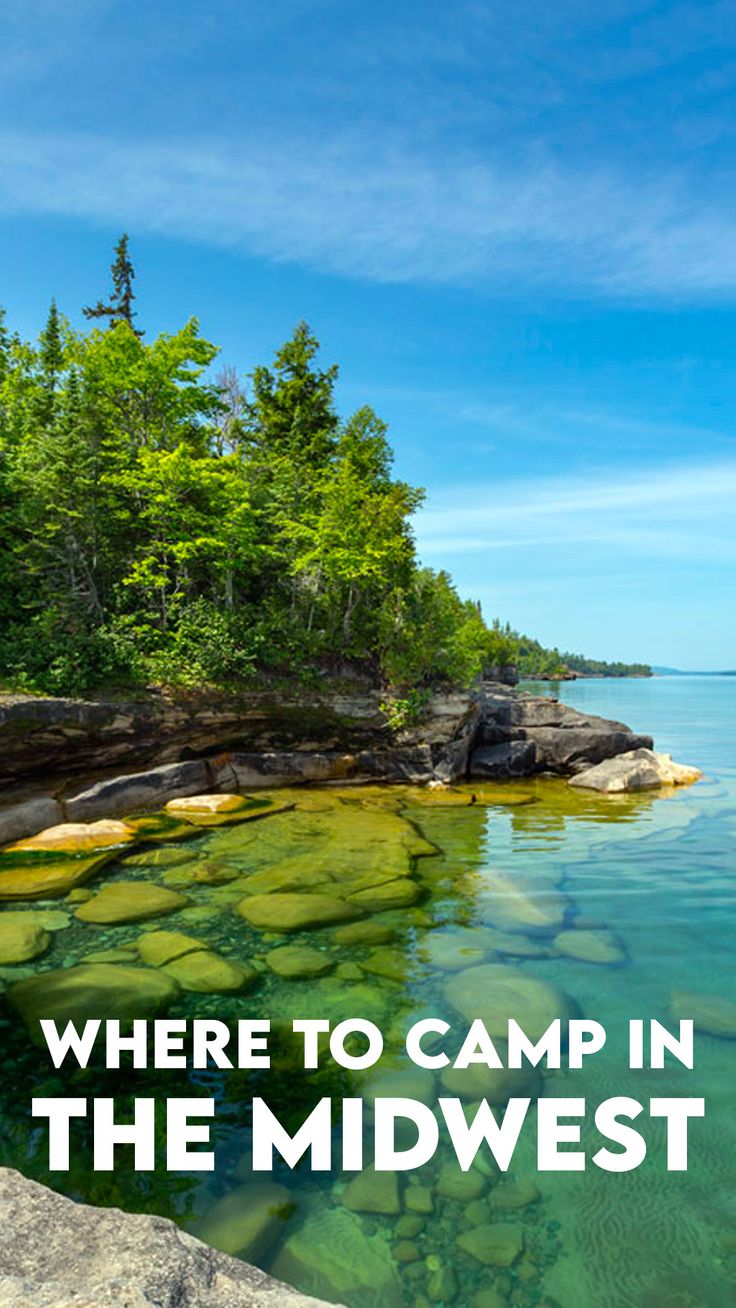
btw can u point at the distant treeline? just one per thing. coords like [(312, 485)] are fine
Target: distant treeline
[(162, 523)]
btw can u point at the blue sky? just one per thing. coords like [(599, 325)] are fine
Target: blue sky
[(512, 223)]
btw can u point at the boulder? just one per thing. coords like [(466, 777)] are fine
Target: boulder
[(157, 948), (637, 769), (249, 1220), (494, 1245), (55, 1253), (499, 762), (151, 789), (29, 817), (463, 1187), (373, 1192), (496, 1084), (495, 993), (572, 749), (130, 901), (330, 1253), (295, 962), (75, 838), (521, 901), (32, 878), (21, 938), (712, 1014), (91, 990), (292, 912), (591, 946)]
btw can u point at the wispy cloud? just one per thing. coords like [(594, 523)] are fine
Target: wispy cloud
[(390, 215), (686, 510)]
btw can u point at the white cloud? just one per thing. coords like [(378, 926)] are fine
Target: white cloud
[(678, 512), (389, 216)]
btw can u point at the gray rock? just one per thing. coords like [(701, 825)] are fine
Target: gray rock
[(139, 790), (29, 817), (517, 758), (571, 749), (641, 769), (55, 1253)]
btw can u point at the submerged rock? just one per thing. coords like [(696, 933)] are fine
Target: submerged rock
[(496, 993), (496, 1084), (494, 1245), (248, 1221), (463, 1187), (299, 961), (710, 1013), (638, 769), (521, 901), (591, 946), (45, 879), (373, 1192), (130, 901), (21, 938), (330, 1254), (291, 912), (91, 990), (364, 933)]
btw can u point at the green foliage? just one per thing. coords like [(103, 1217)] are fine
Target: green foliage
[(159, 525), (405, 712)]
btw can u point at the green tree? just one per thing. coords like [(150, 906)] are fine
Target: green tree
[(119, 306)]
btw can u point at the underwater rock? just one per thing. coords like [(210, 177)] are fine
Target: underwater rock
[(32, 878), (405, 1082), (373, 1192), (330, 1255), (248, 1221), (328, 997), (710, 1013), (419, 1199), (163, 857), (21, 938), (463, 1187), (521, 901), (110, 956), (495, 993), (391, 894), (638, 769), (76, 838), (298, 961), (156, 948), (591, 946), (130, 901), (496, 1084), (91, 990), (206, 973), (509, 1196), (452, 951), (391, 964), (292, 912), (364, 933), (494, 1245)]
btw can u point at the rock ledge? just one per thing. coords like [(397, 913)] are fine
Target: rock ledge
[(55, 1253)]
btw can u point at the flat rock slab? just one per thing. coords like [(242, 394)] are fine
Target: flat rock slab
[(55, 1253), (639, 769)]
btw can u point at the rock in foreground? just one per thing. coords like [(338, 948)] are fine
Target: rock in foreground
[(639, 769), (55, 1253)]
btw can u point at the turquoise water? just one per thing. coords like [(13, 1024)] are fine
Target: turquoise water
[(657, 870)]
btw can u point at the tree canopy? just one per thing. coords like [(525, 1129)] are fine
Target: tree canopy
[(164, 522)]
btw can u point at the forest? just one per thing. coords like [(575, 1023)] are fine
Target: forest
[(166, 521)]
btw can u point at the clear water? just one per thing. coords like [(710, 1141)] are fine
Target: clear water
[(658, 870)]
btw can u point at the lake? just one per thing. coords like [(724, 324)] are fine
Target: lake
[(613, 904)]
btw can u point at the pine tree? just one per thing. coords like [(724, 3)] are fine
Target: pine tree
[(119, 307)]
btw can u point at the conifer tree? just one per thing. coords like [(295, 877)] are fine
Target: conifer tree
[(119, 307)]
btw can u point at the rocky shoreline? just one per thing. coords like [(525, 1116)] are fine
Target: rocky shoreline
[(78, 761), (55, 1253)]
